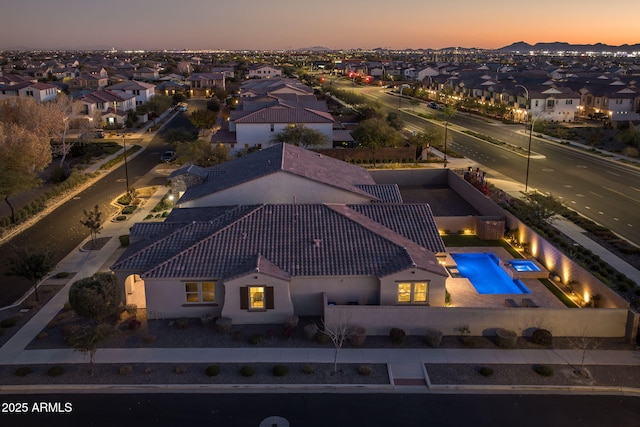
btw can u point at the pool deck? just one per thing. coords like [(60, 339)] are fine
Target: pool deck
[(463, 294)]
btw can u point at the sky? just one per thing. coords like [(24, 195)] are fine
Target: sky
[(294, 24)]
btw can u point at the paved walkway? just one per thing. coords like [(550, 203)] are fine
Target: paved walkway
[(405, 365)]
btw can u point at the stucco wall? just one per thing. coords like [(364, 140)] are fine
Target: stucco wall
[(278, 188), (306, 292), (481, 321), (281, 303), (260, 133), (436, 288), (166, 298)]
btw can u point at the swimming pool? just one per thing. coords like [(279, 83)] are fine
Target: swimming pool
[(486, 275), (521, 265)]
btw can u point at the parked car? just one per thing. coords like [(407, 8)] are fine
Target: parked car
[(432, 105), (99, 133), (168, 156), (182, 107)]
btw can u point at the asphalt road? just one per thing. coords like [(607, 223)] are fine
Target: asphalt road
[(606, 192), (61, 231), (322, 410)]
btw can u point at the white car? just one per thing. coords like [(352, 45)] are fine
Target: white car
[(182, 107)]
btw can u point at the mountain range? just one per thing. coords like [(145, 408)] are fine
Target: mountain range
[(568, 47)]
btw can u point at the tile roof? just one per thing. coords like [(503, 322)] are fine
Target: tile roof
[(388, 193), (277, 158), (282, 240), (278, 114)]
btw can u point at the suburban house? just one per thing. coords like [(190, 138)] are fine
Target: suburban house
[(40, 92), (260, 260), (205, 84), (112, 107), (89, 81), (142, 91), (264, 71), (147, 74), (268, 108)]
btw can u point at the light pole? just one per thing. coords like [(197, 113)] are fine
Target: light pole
[(126, 169), (400, 98), (526, 179)]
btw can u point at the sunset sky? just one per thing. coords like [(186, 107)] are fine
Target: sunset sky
[(290, 24)]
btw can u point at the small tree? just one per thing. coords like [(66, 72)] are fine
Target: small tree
[(96, 297), (32, 264), (203, 119), (374, 134), (301, 136), (338, 333), (93, 221), (87, 340)]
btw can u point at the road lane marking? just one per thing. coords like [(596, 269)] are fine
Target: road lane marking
[(596, 194), (621, 194)]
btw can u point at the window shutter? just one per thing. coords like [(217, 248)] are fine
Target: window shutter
[(269, 297), (244, 298)]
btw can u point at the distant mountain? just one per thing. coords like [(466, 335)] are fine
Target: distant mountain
[(563, 46)]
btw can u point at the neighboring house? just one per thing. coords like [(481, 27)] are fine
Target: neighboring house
[(89, 81), (142, 91), (553, 104), (259, 262), (263, 71), (146, 73), (279, 174), (228, 72), (111, 106), (614, 101), (40, 92), (205, 84)]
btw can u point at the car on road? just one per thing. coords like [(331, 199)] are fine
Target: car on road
[(99, 133), (432, 105), (168, 156), (182, 107)]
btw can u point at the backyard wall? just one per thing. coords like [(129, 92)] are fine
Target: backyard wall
[(483, 321)]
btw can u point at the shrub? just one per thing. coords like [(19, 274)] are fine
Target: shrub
[(23, 371), (224, 324), (121, 218), (322, 338), (182, 323), (280, 370), (357, 336), (310, 331), (125, 200), (255, 339), (148, 370), (8, 323), (542, 337), (124, 240), (131, 309), (506, 338), (544, 370), (68, 330), (125, 370), (181, 369), (42, 335), (291, 321), (62, 275), (212, 371), (288, 332), (129, 209), (55, 371), (133, 324), (433, 337), (247, 371), (397, 335), (485, 371), (148, 339), (365, 370), (308, 369)]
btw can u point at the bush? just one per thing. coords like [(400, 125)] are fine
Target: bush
[(8, 323), (280, 370), (308, 369), (149, 339), (23, 371), (55, 371), (310, 331), (181, 369), (125, 370), (212, 371), (506, 338), (124, 240), (247, 371), (224, 324), (255, 339), (357, 336), (433, 337), (42, 335), (544, 370), (397, 335), (133, 324), (125, 200), (542, 337), (485, 371), (129, 209), (58, 175), (322, 338), (182, 323), (291, 321), (365, 370)]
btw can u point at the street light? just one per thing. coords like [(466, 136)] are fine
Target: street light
[(526, 180), (400, 98)]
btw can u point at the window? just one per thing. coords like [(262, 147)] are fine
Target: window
[(412, 292), (569, 101), (272, 127), (258, 298), (199, 292)]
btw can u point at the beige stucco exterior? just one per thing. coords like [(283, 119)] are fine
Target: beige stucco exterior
[(282, 305)]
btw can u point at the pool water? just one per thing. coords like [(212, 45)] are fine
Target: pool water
[(523, 265), (486, 275)]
